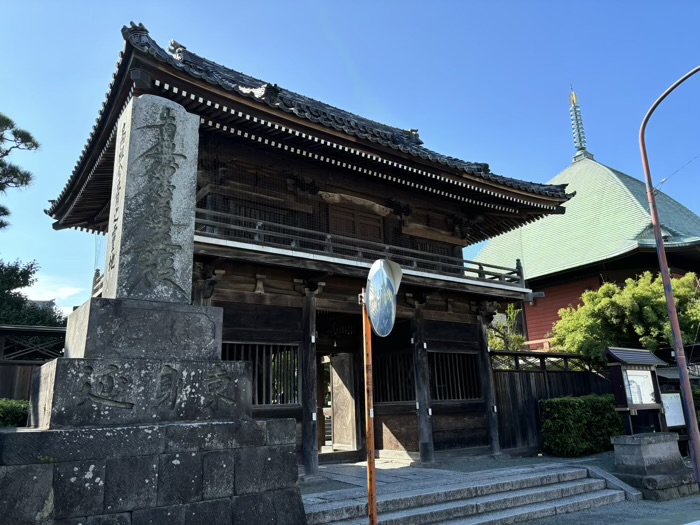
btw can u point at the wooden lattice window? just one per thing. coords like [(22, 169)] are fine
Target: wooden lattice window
[(276, 377), (351, 222), (393, 378), (454, 376)]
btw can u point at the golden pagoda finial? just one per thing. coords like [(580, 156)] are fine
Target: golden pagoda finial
[(572, 96), (577, 127)]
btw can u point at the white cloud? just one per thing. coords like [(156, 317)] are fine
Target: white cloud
[(65, 310), (48, 287)]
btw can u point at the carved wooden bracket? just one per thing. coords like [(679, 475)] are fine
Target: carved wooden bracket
[(487, 309), (463, 227), (259, 284), (400, 208), (416, 299), (304, 286), (204, 279), (303, 185)]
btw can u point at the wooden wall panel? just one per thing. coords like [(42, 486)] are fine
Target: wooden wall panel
[(396, 432), (15, 381), (256, 322), (454, 332), (460, 430), (545, 312)]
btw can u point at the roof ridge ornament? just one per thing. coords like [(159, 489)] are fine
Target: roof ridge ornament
[(577, 128), (177, 50), (137, 34), (415, 136)]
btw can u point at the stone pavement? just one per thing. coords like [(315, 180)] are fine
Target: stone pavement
[(339, 481)]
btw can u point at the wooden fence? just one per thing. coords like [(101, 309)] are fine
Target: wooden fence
[(521, 379), (23, 349)]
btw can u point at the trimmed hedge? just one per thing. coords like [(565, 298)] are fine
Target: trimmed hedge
[(578, 426), (13, 412)]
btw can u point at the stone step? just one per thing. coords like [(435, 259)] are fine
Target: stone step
[(543, 510), (491, 511), (350, 504)]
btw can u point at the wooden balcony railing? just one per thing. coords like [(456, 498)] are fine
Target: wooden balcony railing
[(209, 223)]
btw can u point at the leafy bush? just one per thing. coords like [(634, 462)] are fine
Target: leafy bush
[(504, 333), (631, 316), (13, 412), (577, 426)]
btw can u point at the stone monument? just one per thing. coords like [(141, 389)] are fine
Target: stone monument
[(652, 463), (142, 423)]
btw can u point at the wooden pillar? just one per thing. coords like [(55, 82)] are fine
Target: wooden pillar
[(204, 279), (488, 387), (321, 401), (309, 404), (421, 369), (358, 366)]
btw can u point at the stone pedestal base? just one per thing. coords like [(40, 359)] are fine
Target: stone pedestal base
[(663, 487), (176, 474), (130, 328), (653, 464), (97, 392)]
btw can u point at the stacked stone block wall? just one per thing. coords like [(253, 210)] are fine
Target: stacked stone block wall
[(180, 474)]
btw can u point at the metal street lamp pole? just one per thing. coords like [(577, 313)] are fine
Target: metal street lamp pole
[(686, 393)]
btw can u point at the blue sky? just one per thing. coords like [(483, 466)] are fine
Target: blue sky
[(482, 81)]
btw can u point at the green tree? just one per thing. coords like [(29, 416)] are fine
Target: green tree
[(633, 315), (12, 139), (15, 308), (504, 333)]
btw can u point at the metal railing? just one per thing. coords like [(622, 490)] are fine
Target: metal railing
[(210, 223)]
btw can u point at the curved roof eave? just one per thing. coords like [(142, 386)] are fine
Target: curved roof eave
[(406, 141)]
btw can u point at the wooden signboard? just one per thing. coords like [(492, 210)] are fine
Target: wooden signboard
[(673, 409)]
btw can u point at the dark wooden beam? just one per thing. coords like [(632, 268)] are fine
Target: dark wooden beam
[(488, 388), (228, 296), (309, 401), (421, 369), (330, 268)]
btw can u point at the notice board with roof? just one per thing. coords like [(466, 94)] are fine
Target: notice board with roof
[(636, 389)]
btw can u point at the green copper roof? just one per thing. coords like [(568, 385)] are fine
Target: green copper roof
[(608, 217)]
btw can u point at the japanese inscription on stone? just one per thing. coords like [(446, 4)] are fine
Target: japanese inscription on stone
[(118, 180), (155, 253), (152, 207), (168, 387), (105, 387), (218, 383)]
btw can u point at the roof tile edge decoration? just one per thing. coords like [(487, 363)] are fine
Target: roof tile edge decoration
[(407, 141)]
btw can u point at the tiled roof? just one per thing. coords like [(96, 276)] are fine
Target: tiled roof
[(634, 356), (406, 141), (184, 62), (608, 217)]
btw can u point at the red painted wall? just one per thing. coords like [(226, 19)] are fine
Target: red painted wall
[(543, 313)]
